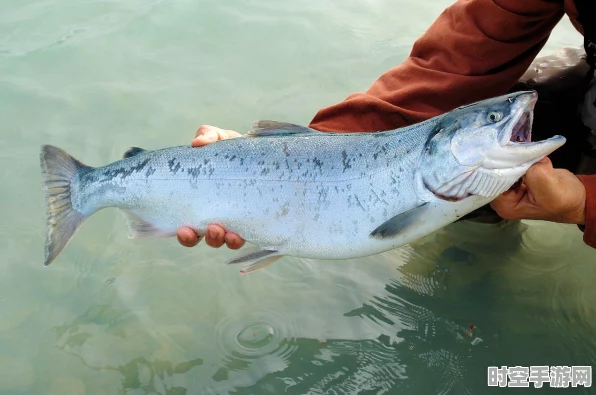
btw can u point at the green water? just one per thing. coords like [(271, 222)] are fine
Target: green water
[(116, 316)]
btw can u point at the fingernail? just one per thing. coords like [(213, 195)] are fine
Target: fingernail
[(212, 233)]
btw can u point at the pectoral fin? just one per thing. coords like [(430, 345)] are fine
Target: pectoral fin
[(399, 223), (256, 260)]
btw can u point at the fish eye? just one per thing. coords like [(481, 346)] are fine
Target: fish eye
[(494, 116)]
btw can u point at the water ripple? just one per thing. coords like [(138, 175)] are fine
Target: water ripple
[(373, 366), (245, 338), (448, 366)]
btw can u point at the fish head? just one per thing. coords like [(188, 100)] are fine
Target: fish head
[(484, 148)]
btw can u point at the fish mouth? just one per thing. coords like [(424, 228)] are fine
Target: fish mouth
[(520, 143), (521, 133), (522, 130), (517, 150)]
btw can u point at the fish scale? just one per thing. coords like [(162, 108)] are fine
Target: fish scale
[(271, 190), (291, 190)]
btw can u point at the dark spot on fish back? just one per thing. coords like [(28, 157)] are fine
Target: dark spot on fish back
[(124, 172), (174, 165), (194, 172), (345, 160), (318, 163), (150, 171)]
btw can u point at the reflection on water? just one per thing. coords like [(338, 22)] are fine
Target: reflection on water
[(115, 316), (141, 373), (470, 296)]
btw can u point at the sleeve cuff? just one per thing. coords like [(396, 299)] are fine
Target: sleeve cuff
[(589, 228)]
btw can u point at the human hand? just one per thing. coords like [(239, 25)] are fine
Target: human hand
[(216, 235), (547, 194), (209, 134)]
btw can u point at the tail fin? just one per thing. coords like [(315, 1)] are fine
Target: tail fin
[(62, 220)]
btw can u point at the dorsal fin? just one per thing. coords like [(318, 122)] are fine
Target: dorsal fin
[(132, 151), (274, 128)]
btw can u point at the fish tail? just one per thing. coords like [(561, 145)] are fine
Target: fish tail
[(58, 170)]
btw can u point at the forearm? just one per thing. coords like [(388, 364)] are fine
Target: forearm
[(474, 50)]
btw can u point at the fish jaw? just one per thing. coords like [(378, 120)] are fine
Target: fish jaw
[(484, 148), (522, 155), (516, 148), (515, 153)]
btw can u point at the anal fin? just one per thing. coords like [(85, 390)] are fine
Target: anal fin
[(256, 260), (399, 223), (140, 228)]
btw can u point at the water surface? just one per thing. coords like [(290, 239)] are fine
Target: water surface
[(116, 316)]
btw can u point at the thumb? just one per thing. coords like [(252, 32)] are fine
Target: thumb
[(541, 179), (507, 204)]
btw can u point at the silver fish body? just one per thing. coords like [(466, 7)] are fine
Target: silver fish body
[(294, 191), (315, 196)]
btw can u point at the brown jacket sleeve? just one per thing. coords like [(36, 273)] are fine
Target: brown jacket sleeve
[(589, 227), (474, 50)]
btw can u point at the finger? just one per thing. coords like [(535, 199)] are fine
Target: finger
[(233, 241), (187, 237), (205, 135), (542, 180), (205, 129), (509, 204), (208, 134), (229, 134), (546, 160), (215, 236)]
